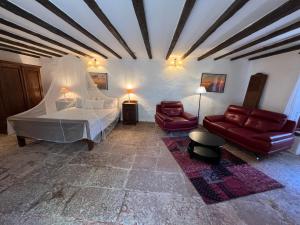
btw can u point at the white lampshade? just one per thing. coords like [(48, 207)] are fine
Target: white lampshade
[(201, 90)]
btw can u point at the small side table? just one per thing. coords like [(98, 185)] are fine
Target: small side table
[(130, 112)]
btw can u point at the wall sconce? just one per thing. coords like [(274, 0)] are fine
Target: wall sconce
[(176, 62), (93, 63)]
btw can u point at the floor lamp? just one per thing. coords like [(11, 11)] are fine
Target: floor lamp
[(201, 90)]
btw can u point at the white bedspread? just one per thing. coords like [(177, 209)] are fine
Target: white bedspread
[(97, 119)]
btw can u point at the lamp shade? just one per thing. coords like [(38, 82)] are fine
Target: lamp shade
[(129, 91), (201, 90), (64, 90)]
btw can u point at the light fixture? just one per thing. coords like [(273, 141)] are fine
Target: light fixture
[(64, 91), (93, 63), (200, 90), (176, 62)]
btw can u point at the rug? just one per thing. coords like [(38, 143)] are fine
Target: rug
[(231, 178)]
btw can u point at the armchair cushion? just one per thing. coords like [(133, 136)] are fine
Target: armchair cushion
[(172, 111), (273, 136), (164, 117), (171, 104), (189, 116)]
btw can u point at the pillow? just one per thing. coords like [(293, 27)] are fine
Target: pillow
[(93, 104), (172, 111), (238, 119), (261, 125), (79, 103), (110, 104)]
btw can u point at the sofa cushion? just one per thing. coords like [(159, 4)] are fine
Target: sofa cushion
[(238, 110), (225, 125), (246, 137), (242, 132), (265, 121), (172, 111), (237, 119), (237, 114), (215, 118)]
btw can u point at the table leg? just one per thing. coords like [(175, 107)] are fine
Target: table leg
[(21, 141), (91, 145), (191, 149)]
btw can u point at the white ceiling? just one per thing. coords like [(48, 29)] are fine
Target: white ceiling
[(162, 17)]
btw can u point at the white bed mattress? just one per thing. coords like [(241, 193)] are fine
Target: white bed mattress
[(97, 119)]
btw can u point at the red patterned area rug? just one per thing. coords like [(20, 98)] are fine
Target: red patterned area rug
[(231, 178)]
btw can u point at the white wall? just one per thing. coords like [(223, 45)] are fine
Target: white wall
[(154, 81), (13, 57), (283, 71)]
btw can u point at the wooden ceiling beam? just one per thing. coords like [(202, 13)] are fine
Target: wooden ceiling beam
[(186, 11), (278, 44), (23, 50), (102, 17), (54, 9), (262, 39), (18, 52), (139, 10), (5, 40), (230, 11), (26, 15), (278, 52), (277, 14), (44, 38), (6, 33)]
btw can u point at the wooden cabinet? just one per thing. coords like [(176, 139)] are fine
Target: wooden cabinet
[(33, 85), (255, 90), (130, 112), (20, 89)]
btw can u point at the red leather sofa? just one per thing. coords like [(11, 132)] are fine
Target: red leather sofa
[(170, 116), (260, 131)]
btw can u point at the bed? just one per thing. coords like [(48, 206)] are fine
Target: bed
[(72, 123)]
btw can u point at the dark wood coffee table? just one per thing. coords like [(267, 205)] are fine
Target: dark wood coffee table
[(205, 146)]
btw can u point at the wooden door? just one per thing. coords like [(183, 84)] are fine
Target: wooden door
[(32, 83), (13, 100), (255, 89), (2, 116)]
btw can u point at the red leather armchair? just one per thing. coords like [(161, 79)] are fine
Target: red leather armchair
[(260, 131), (170, 116)]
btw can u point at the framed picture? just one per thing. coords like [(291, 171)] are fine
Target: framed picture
[(213, 82), (100, 79)]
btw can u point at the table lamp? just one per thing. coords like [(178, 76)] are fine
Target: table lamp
[(200, 90), (129, 91), (64, 90)]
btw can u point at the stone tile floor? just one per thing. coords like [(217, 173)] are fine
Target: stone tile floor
[(130, 178)]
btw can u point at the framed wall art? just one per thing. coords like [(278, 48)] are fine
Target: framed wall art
[(100, 79), (213, 82)]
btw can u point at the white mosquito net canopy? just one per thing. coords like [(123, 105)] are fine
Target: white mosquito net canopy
[(73, 108)]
